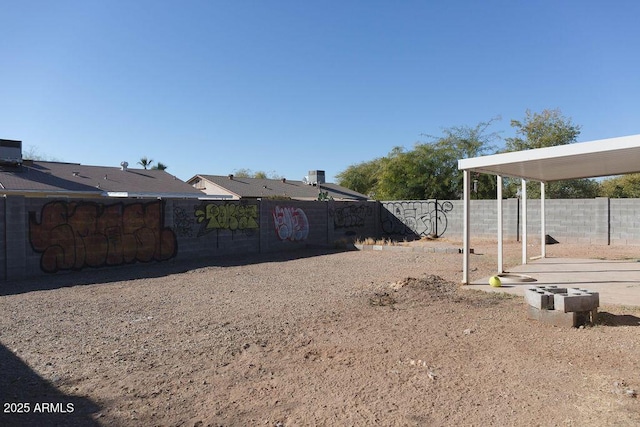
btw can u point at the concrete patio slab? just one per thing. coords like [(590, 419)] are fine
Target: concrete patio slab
[(617, 282)]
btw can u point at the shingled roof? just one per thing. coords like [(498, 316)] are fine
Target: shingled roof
[(254, 188), (73, 179)]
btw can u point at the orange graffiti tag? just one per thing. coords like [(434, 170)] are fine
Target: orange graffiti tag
[(74, 235)]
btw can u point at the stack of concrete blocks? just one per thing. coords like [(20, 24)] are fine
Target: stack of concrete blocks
[(569, 307)]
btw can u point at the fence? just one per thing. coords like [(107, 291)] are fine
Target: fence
[(599, 221), (45, 236)]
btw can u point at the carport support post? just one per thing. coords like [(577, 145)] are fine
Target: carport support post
[(499, 196), (543, 227), (524, 221), (466, 233)]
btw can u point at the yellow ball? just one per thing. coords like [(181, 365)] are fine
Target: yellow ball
[(495, 282)]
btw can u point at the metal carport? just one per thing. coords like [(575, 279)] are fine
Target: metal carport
[(605, 157)]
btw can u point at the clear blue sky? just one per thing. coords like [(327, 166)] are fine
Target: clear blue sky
[(290, 86)]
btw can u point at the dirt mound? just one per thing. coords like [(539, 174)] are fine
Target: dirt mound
[(435, 286)]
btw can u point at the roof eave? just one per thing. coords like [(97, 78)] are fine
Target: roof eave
[(52, 193), (151, 195)]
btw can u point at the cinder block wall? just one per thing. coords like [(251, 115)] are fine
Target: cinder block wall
[(3, 243), (419, 218), (624, 221), (444, 218), (578, 220), (598, 221), (49, 236), (288, 225), (347, 221), (213, 228)]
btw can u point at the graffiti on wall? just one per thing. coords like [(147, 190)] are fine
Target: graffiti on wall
[(228, 216), (291, 223), (182, 222), (419, 218), (350, 216), (74, 235)]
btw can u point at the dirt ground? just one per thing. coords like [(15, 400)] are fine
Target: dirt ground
[(311, 338)]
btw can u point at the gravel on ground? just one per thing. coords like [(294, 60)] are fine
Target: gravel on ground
[(306, 338)]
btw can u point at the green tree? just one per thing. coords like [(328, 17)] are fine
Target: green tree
[(242, 173), (429, 170), (145, 162), (465, 141), (160, 166), (405, 174), (461, 142), (248, 173), (547, 129), (625, 186), (566, 189), (362, 177)]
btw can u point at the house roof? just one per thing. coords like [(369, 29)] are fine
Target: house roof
[(76, 179), (258, 188), (605, 157)]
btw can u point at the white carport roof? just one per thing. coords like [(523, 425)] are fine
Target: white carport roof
[(605, 157)]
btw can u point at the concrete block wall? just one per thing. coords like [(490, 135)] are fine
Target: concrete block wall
[(412, 218), (510, 219), (348, 221), (625, 221), (3, 242), (578, 220), (214, 228), (419, 218), (599, 221), (484, 215), (29, 208), (48, 236), (290, 225), (16, 242)]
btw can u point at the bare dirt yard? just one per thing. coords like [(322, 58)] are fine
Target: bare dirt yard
[(311, 338)]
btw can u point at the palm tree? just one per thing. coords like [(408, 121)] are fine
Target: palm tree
[(144, 162), (160, 166)]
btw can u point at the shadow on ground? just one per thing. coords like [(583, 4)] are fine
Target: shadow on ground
[(40, 402), (88, 276), (609, 319)]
